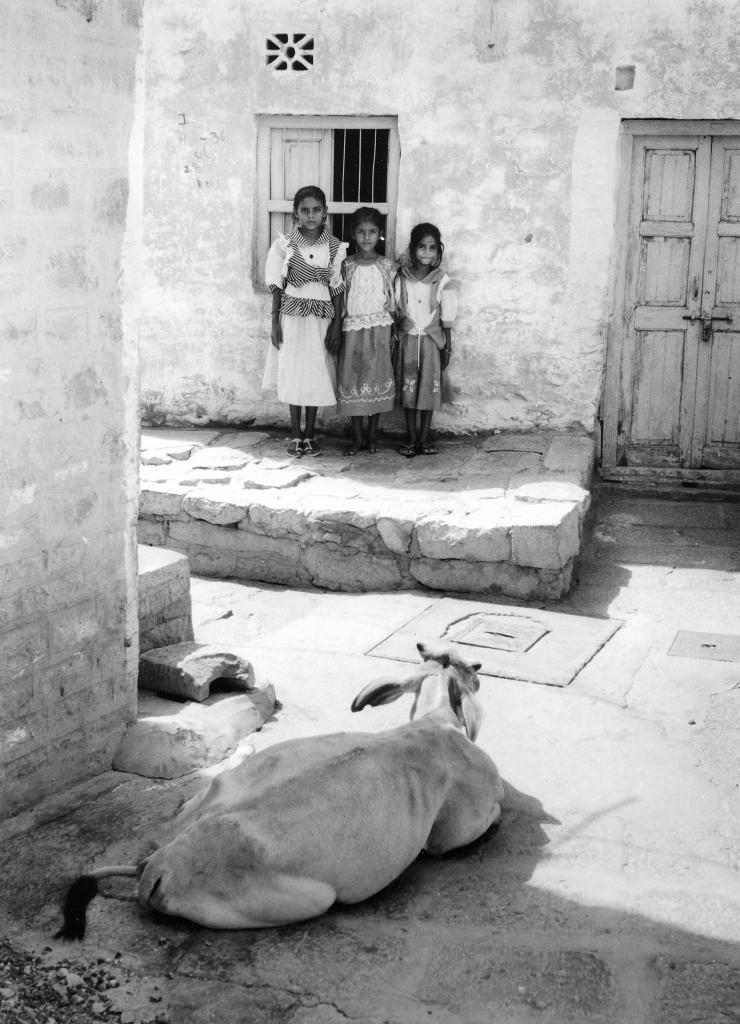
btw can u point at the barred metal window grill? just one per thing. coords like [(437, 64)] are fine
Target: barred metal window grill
[(354, 160), (289, 51)]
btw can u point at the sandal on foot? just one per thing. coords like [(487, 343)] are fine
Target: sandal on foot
[(427, 449), (311, 447), (407, 450), (295, 448), (354, 449), (371, 449)]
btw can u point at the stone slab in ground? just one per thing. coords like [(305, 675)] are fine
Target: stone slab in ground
[(516, 643)]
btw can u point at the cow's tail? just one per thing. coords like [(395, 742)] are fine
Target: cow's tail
[(80, 893)]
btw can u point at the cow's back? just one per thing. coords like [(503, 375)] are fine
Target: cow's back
[(349, 809)]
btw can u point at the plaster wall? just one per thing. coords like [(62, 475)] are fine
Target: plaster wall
[(509, 125), (68, 393)]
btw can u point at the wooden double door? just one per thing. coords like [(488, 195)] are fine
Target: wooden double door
[(672, 391)]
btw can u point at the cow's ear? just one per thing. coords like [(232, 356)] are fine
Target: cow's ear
[(380, 691), (390, 688)]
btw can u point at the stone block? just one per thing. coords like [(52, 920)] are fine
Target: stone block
[(353, 571), (155, 459), (396, 533), (219, 458), (475, 577), (550, 536), (282, 516), (162, 634), (189, 669), (157, 566), (195, 533), (161, 500), (150, 534), (270, 560), (169, 740), (217, 506), (330, 511), (220, 564), (262, 475), (164, 606), (200, 477), (539, 490), (571, 454), (476, 537)]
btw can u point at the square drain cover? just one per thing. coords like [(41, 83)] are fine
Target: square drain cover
[(514, 643), (516, 633), (716, 646)]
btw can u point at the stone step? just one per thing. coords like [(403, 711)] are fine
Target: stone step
[(164, 598), (500, 515)]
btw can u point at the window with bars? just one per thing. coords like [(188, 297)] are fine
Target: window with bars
[(354, 160)]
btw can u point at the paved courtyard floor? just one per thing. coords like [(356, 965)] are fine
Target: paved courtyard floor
[(610, 892)]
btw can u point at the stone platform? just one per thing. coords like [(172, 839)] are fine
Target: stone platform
[(496, 515)]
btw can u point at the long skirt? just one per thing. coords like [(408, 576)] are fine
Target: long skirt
[(365, 380), (301, 370), (420, 372)]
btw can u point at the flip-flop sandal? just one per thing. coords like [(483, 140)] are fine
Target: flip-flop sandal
[(427, 449), (407, 450), (352, 451), (371, 449)]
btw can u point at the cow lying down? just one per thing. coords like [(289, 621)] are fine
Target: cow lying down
[(292, 829)]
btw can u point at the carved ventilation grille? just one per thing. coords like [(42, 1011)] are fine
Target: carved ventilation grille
[(289, 51)]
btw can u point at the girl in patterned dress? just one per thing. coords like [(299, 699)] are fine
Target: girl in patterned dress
[(427, 306), (365, 383), (304, 273)]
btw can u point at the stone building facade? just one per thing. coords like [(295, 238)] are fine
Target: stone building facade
[(508, 117), (68, 389)]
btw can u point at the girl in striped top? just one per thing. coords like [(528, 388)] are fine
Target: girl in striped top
[(304, 273)]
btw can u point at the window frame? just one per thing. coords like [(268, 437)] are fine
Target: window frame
[(264, 206)]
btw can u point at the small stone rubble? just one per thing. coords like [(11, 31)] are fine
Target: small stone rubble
[(33, 991)]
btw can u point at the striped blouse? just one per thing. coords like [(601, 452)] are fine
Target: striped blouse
[(309, 274)]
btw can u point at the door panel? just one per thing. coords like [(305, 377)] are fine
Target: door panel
[(678, 332), (717, 429), (663, 280)]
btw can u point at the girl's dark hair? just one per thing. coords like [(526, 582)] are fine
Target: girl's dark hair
[(365, 213), (362, 214), (308, 192), (418, 232)]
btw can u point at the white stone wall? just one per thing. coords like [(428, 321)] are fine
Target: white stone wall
[(68, 389), (509, 124)]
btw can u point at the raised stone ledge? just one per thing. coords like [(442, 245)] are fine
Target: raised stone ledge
[(487, 517)]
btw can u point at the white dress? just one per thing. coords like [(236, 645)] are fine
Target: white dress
[(302, 371)]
